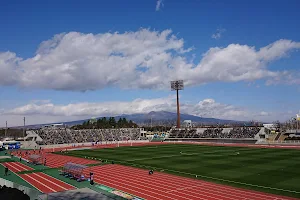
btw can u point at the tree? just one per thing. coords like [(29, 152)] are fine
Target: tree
[(112, 122), (104, 123), (119, 123)]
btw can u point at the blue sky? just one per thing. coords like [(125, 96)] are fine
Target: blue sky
[(65, 61)]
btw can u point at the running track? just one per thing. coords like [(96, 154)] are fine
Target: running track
[(170, 187), (55, 160), (45, 183), (16, 167)]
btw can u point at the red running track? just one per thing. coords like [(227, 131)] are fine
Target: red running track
[(170, 187), (16, 167), (55, 160), (46, 183)]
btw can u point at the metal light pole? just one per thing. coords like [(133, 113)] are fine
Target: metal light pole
[(177, 85), (6, 130), (24, 128), (297, 121)]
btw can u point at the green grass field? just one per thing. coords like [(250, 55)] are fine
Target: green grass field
[(269, 170)]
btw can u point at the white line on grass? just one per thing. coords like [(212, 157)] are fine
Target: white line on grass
[(167, 156), (182, 154)]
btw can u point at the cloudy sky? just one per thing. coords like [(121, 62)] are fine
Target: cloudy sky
[(68, 60)]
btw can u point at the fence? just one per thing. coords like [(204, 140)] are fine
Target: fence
[(89, 144), (297, 142), (32, 193)]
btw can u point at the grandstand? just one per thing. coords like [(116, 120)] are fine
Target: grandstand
[(67, 136), (234, 133), (53, 136)]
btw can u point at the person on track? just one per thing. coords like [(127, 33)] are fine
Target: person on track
[(5, 171), (151, 172), (91, 178)]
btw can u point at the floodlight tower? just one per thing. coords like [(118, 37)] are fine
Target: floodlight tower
[(177, 85), (24, 127), (6, 130)]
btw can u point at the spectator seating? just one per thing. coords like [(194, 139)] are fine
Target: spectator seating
[(236, 132), (63, 136)]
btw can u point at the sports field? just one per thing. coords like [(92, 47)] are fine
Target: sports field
[(269, 170)]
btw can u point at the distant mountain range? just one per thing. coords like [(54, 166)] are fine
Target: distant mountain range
[(156, 118), (164, 116)]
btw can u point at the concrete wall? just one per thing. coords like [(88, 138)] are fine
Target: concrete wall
[(283, 143), (29, 144), (33, 194), (215, 140), (89, 144)]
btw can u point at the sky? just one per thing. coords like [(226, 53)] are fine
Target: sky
[(69, 60)]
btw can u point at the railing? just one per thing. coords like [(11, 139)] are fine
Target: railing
[(282, 142), (217, 140), (32, 193), (290, 141), (85, 144)]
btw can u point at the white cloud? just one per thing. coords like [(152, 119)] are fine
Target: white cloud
[(287, 78), (97, 109), (142, 59), (40, 101), (218, 33), (159, 5), (48, 112), (8, 63), (263, 113)]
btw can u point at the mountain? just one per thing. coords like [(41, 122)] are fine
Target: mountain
[(164, 116), (159, 117)]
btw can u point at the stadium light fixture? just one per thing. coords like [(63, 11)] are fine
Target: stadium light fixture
[(177, 85)]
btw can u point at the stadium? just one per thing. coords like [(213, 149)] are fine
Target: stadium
[(105, 159), (213, 162), (150, 100)]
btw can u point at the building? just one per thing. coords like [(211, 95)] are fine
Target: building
[(270, 126), (61, 125), (187, 123)]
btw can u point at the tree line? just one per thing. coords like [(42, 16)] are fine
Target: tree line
[(11, 132), (106, 123)]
